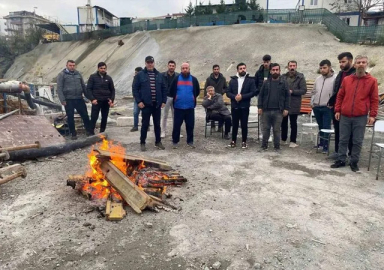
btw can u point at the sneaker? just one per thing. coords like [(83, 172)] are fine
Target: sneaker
[(162, 135), (175, 145), (232, 144), (191, 145), (277, 150), (270, 139), (264, 148), (134, 129), (74, 137), (333, 156), (226, 137), (338, 164), (354, 167), (244, 145), (160, 146), (142, 147), (284, 143), (293, 145)]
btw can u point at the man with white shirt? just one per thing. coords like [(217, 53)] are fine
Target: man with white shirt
[(241, 89)]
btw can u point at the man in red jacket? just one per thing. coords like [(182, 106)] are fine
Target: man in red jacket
[(358, 98)]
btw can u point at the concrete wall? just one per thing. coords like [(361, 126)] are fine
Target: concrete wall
[(202, 47)]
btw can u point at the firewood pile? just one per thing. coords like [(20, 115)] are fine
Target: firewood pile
[(116, 179)]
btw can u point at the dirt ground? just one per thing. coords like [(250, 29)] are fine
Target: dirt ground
[(243, 208)]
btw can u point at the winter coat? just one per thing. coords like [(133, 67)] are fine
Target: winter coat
[(215, 105), (259, 79), (173, 89), (70, 85), (358, 96), (220, 84), (284, 95), (332, 100), (322, 90), (167, 83), (142, 88), (248, 90), (299, 88), (100, 88)]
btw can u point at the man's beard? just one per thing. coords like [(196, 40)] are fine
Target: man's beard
[(185, 74), (347, 67), (242, 74), (275, 75)]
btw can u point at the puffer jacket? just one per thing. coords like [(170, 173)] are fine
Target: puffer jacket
[(299, 88), (70, 85), (216, 103), (322, 90), (100, 88), (358, 96)]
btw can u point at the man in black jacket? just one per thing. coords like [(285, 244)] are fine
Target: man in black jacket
[(184, 89), (219, 82), (263, 73), (241, 89), (273, 104), (168, 76), (101, 91), (150, 93), (297, 88), (347, 68)]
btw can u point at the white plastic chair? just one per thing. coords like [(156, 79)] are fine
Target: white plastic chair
[(378, 127), (310, 126)]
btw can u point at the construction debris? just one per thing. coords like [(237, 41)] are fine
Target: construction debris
[(12, 172)]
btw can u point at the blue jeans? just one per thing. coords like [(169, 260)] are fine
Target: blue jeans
[(323, 116), (136, 112)]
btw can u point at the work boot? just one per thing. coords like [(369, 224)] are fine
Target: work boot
[(134, 129), (354, 167), (338, 164), (142, 147), (159, 145), (191, 145)]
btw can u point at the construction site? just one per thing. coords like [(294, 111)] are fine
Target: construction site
[(100, 203)]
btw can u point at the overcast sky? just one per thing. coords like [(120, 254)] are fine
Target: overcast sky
[(65, 10)]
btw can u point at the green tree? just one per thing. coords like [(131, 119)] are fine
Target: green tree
[(221, 8), (190, 10), (253, 5), (208, 8), (200, 9), (241, 4)]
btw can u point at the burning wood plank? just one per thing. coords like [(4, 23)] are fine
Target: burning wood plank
[(147, 162)]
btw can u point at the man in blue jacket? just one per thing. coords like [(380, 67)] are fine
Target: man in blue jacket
[(184, 89), (150, 93)]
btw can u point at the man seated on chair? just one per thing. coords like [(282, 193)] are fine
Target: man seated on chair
[(322, 91), (216, 110)]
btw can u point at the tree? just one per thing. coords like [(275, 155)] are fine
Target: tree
[(221, 8), (253, 5), (208, 8), (241, 4), (356, 5), (190, 10)]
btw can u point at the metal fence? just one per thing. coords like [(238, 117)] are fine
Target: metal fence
[(346, 33)]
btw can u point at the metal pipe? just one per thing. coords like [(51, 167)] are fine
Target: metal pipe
[(9, 87), (13, 176), (8, 114)]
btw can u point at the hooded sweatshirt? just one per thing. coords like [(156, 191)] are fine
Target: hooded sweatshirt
[(323, 90), (358, 96)]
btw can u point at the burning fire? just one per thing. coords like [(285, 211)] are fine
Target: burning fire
[(100, 188)]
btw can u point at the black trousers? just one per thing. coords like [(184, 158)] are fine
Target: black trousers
[(336, 125), (81, 109), (180, 116), (284, 127), (102, 106), (222, 119), (240, 115), (146, 113)]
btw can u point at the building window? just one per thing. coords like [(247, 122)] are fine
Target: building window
[(314, 2), (347, 20)]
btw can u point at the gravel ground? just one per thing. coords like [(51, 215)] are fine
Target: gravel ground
[(243, 208)]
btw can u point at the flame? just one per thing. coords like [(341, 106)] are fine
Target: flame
[(100, 188)]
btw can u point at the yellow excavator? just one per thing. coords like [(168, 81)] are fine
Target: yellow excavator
[(50, 37)]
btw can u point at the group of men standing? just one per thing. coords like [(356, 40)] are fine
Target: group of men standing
[(348, 98)]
